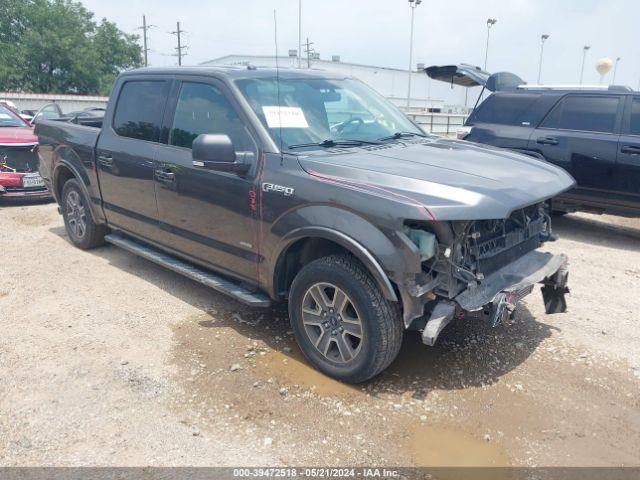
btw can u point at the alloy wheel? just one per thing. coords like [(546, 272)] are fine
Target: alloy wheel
[(332, 322)]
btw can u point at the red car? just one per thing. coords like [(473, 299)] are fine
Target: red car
[(19, 177)]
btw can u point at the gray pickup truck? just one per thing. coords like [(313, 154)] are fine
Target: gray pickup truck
[(302, 187)]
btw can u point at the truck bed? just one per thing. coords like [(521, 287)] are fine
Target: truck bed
[(71, 144)]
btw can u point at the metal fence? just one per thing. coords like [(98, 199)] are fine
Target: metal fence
[(445, 124)]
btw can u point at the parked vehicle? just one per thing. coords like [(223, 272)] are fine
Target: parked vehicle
[(19, 177), (254, 183), (593, 132)]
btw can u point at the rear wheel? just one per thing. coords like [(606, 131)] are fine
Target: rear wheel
[(83, 232), (341, 320)]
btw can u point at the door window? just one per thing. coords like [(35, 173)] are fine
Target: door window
[(585, 113), (634, 121), (507, 109), (139, 110), (201, 109)]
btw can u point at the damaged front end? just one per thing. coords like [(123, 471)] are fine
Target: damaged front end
[(482, 267)]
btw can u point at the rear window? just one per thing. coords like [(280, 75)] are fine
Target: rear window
[(139, 110), (584, 113), (506, 109)]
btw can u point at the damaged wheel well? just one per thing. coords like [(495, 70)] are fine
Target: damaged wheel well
[(297, 256), (308, 249)]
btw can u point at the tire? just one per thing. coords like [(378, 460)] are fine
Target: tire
[(83, 232), (342, 282)]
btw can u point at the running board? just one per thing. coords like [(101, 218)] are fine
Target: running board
[(222, 285)]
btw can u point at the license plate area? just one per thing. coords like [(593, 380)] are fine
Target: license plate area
[(32, 181)]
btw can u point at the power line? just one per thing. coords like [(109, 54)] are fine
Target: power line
[(179, 49), (144, 29)]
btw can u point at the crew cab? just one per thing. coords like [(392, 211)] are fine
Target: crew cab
[(297, 186), (19, 177)]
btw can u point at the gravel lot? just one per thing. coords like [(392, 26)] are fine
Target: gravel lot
[(107, 359)]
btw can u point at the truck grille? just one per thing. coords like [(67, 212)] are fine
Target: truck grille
[(21, 159), (496, 243)]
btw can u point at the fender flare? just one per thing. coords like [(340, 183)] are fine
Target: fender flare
[(353, 246), (64, 163)]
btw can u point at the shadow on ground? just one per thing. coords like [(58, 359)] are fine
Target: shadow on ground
[(597, 232), (469, 352)]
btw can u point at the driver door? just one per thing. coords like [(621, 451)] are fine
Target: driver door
[(206, 214)]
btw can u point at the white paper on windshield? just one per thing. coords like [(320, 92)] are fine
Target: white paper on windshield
[(285, 117), (5, 116)]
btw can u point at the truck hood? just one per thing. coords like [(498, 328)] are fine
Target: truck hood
[(452, 180)]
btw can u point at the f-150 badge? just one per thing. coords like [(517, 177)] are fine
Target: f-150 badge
[(281, 189)]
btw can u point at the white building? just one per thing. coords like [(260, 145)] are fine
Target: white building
[(68, 103), (390, 82)]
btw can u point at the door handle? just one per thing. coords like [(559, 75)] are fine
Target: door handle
[(630, 149), (547, 141), (105, 160)]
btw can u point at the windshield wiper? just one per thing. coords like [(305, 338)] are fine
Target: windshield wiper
[(328, 143), (399, 135)]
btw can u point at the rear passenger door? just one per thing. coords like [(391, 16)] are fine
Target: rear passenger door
[(580, 134), (126, 153), (206, 214), (628, 167)]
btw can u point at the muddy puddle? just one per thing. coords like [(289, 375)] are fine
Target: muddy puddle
[(293, 369), (438, 446), (479, 398)]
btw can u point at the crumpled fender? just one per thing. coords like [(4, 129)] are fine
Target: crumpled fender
[(388, 255)]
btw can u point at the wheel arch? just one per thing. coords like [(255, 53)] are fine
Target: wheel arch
[(306, 244), (65, 171)]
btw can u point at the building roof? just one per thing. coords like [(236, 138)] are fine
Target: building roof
[(237, 72), (315, 61)]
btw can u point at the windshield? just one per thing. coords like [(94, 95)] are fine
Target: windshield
[(321, 111), (10, 119)]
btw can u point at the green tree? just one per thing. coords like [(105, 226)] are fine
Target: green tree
[(56, 46)]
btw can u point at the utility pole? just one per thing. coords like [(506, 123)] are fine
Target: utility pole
[(299, 33), (413, 4), (585, 49), (615, 70), (543, 38), (144, 29), (490, 23), (178, 33), (308, 51)]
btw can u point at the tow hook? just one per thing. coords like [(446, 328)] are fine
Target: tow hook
[(504, 307)]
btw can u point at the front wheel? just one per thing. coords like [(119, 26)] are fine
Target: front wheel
[(341, 320), (83, 232)]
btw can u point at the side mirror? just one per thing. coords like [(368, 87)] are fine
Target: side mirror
[(216, 152)]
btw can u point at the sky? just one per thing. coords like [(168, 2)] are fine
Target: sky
[(377, 32)]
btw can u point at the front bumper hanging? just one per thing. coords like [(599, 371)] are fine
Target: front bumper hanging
[(499, 293)]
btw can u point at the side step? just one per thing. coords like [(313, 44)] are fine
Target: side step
[(222, 285)]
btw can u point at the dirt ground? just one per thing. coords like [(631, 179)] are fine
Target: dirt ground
[(107, 359)]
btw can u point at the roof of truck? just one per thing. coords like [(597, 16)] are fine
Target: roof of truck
[(237, 72)]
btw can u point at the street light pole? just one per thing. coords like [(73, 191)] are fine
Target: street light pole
[(299, 33), (585, 49), (615, 70), (413, 4), (490, 23), (543, 38)]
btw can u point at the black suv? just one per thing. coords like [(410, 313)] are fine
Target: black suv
[(591, 132)]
